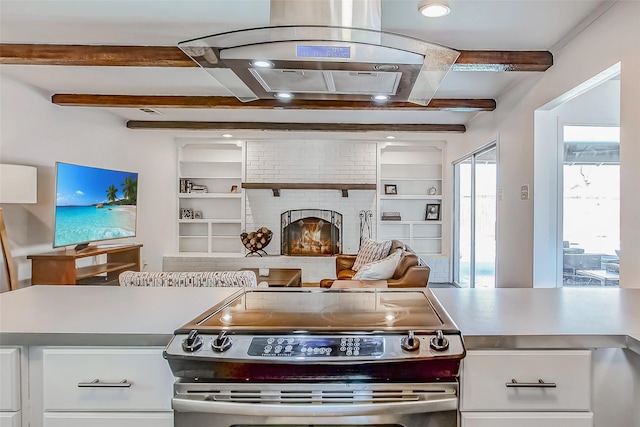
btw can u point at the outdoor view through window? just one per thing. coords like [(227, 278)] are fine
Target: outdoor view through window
[(591, 206)]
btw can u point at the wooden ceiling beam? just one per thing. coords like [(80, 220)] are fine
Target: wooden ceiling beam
[(501, 60), (172, 56), (95, 56), (298, 127), (228, 102)]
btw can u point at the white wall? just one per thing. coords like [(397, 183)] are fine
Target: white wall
[(613, 38), (35, 132)]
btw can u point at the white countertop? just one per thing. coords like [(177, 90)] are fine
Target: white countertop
[(501, 318), (538, 318), (101, 315)]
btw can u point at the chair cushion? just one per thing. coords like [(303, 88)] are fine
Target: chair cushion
[(379, 270), (370, 251)]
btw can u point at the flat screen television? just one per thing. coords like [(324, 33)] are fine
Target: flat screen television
[(93, 205)]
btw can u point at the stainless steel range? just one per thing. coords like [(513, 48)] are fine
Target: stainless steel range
[(381, 357)]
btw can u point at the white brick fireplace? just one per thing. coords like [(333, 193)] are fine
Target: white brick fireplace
[(310, 162)]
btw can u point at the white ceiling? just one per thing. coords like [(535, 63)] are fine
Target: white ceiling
[(472, 25)]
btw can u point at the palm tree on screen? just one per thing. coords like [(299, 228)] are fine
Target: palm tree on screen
[(112, 193), (130, 190)]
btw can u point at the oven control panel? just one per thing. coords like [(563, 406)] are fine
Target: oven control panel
[(310, 346)]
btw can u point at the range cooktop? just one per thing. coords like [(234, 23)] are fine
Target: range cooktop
[(325, 310)]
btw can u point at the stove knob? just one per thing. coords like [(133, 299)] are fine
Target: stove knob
[(192, 342), (439, 342), (222, 342), (410, 342)]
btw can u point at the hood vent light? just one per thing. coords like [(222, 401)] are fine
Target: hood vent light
[(284, 96), (262, 64), (380, 98)]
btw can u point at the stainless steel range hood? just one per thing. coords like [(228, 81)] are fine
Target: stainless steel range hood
[(323, 50)]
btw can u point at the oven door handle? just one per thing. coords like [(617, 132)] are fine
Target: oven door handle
[(327, 410)]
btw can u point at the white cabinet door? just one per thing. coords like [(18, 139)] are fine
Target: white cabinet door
[(488, 375), (10, 419), (10, 375), (527, 419), (108, 419), (68, 373)]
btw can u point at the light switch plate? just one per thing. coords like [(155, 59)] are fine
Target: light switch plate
[(524, 192)]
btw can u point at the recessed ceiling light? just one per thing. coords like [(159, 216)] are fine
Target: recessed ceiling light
[(261, 63), (434, 8), (227, 135), (391, 137), (284, 95), (380, 98)]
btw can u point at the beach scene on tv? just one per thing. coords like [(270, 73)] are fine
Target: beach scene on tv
[(94, 204)]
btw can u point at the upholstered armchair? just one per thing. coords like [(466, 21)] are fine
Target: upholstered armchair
[(408, 273)]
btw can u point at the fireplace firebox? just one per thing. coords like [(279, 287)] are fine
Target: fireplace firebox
[(311, 232)]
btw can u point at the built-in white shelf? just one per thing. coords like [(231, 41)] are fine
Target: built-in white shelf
[(220, 167), (413, 171)]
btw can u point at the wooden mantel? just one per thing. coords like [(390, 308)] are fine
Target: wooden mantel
[(277, 186)]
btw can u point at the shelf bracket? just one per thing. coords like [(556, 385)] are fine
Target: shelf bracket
[(345, 192), (276, 192)]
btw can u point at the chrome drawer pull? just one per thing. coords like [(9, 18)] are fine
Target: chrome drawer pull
[(97, 383), (539, 384)]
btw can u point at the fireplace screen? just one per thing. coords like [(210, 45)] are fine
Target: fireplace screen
[(311, 232)]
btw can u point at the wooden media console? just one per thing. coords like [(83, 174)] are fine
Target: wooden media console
[(60, 267)]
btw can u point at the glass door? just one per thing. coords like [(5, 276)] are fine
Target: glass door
[(475, 178)]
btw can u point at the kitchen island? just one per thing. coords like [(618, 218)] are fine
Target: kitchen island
[(604, 321), (487, 318)]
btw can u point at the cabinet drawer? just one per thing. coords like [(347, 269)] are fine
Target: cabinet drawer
[(10, 374), (527, 419), (487, 377), (108, 419), (10, 419), (147, 382)]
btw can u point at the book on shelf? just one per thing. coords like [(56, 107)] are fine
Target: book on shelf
[(185, 184), (197, 188), (391, 216)]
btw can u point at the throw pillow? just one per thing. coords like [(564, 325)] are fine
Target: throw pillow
[(370, 251), (380, 270)]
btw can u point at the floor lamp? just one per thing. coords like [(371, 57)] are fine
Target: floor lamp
[(18, 184)]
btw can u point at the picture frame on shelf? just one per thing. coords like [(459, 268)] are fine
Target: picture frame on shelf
[(433, 212), (390, 189)]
